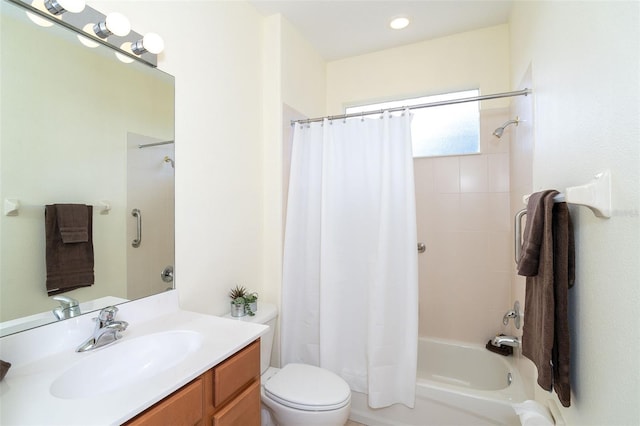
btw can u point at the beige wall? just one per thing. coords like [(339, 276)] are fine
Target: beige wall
[(475, 59), (294, 81), (585, 65), (294, 76)]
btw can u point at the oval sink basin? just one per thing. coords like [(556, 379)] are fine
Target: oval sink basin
[(125, 362)]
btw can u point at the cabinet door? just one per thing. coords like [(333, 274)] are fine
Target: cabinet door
[(235, 373), (182, 408), (244, 410)]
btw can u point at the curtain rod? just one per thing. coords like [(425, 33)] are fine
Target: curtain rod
[(155, 144), (523, 92)]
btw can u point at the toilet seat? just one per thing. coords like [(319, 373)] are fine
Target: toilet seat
[(308, 388)]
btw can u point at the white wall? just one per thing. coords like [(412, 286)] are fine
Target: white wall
[(585, 60), (214, 51)]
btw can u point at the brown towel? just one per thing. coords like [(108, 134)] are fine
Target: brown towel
[(73, 222), (4, 368), (69, 264), (546, 339), (534, 233)]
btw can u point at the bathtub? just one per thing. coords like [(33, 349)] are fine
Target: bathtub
[(457, 384)]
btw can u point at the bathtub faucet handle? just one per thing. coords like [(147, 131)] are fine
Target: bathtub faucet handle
[(514, 313)]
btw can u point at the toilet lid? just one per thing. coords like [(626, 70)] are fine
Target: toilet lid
[(309, 388)]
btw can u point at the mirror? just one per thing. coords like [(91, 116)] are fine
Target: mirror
[(72, 119)]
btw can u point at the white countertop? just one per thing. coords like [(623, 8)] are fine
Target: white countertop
[(39, 356)]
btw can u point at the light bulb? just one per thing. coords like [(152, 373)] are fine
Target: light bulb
[(115, 23), (399, 23), (39, 4), (56, 7), (85, 40), (124, 58), (151, 43)]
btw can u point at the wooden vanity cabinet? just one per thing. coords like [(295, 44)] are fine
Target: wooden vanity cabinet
[(226, 395)]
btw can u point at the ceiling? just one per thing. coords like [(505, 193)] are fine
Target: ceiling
[(340, 29)]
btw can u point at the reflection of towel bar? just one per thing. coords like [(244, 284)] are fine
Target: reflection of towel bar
[(136, 213), (12, 206)]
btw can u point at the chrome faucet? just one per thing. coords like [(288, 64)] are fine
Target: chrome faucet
[(68, 308), (106, 332), (506, 341)]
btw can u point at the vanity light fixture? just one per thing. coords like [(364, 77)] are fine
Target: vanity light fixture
[(57, 7), (399, 22), (151, 42), (94, 28), (115, 23)]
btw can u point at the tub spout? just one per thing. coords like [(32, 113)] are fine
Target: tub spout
[(506, 341)]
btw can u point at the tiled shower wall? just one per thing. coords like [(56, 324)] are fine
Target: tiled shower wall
[(464, 220)]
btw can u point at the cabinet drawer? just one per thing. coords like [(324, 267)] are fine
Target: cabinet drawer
[(182, 408), (235, 373), (243, 410)]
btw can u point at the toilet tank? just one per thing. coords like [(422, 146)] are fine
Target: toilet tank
[(266, 314)]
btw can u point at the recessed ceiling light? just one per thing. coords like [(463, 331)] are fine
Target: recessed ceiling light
[(399, 22)]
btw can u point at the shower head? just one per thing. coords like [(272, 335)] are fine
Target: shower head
[(168, 159), (500, 130)]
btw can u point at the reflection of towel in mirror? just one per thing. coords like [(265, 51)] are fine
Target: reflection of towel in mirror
[(69, 247), (73, 222), (548, 263)]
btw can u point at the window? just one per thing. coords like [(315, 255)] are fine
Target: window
[(443, 130)]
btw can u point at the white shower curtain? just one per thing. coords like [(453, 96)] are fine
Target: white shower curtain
[(350, 274)]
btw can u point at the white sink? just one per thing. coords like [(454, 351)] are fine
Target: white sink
[(125, 362)]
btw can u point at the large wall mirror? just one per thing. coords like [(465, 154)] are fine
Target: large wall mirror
[(80, 126)]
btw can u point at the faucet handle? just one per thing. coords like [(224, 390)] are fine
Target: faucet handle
[(69, 307), (108, 314), (514, 313)]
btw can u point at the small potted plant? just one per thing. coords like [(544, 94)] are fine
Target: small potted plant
[(251, 303), (237, 295)]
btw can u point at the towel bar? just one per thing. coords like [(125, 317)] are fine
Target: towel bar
[(596, 195), (518, 233)]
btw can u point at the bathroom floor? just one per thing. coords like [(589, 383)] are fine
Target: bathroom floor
[(352, 423)]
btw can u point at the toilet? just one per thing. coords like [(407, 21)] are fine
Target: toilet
[(297, 394)]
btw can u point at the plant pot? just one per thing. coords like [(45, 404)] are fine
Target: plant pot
[(254, 306), (237, 310)]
